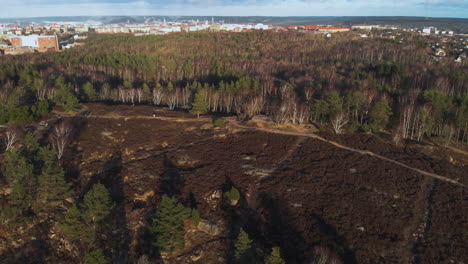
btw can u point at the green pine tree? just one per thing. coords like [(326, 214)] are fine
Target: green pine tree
[(335, 103), (320, 109), (16, 167), (74, 227), (52, 188), (199, 105), (167, 227), (275, 257), (96, 257), (89, 91), (146, 91), (72, 103), (31, 152), (19, 202), (72, 224), (43, 108), (97, 204), (19, 173), (243, 246), (67, 99), (380, 115)]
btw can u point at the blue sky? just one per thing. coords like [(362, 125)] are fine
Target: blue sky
[(425, 8)]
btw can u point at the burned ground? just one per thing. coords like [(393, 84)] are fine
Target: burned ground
[(297, 193)]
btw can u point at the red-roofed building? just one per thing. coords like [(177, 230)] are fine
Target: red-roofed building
[(333, 29)]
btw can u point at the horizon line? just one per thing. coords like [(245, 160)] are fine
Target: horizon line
[(383, 16)]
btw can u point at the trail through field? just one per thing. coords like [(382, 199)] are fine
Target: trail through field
[(363, 152), (233, 121)]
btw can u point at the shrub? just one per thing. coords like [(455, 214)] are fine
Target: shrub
[(275, 257), (353, 126), (195, 215), (96, 257), (232, 194), (219, 122)]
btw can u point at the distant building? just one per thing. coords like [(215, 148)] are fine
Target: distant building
[(261, 27), (16, 51), (365, 27), (333, 29), (81, 28), (41, 43), (429, 30)]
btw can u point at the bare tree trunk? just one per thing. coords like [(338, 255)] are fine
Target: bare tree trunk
[(60, 137), (11, 138), (339, 122)]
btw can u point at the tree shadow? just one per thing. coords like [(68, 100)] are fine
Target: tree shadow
[(171, 180), (274, 226), (33, 252), (332, 240), (276, 230)]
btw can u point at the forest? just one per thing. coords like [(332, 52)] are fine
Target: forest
[(342, 83), (116, 189)]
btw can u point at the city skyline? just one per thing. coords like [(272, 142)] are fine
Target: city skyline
[(421, 8)]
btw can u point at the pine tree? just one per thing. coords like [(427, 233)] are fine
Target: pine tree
[(380, 115), (242, 246), (52, 188), (19, 173), (97, 204), (89, 91), (72, 225), (335, 103), (31, 152), (43, 108), (320, 109), (199, 105), (168, 227), (19, 202), (96, 257), (146, 91), (67, 99), (71, 103), (275, 257), (16, 167)]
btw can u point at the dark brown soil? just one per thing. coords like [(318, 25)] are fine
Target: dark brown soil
[(408, 154), (297, 193)]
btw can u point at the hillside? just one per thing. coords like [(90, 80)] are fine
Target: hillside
[(222, 147), (304, 195)]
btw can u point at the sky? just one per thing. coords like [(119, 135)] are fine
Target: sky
[(423, 8)]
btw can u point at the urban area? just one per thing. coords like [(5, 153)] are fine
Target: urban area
[(55, 37)]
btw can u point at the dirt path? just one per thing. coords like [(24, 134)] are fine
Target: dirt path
[(235, 123), (363, 152)]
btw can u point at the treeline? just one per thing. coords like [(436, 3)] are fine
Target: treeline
[(342, 83), (24, 114)]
